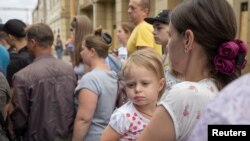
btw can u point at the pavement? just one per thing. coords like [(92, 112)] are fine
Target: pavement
[(65, 58)]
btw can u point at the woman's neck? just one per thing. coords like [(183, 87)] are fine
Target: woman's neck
[(197, 67), (124, 43), (99, 64)]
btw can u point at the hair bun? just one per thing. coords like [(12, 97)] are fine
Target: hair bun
[(107, 38)]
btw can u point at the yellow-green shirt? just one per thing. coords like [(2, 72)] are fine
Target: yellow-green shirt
[(142, 35)]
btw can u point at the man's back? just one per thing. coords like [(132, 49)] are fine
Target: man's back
[(44, 92)]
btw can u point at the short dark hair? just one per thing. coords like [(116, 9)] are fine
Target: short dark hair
[(41, 33)]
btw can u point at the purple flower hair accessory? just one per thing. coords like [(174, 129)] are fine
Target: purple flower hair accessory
[(228, 50), (230, 55), (223, 65)]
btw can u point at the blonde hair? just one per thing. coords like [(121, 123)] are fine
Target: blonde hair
[(147, 58), (83, 26)]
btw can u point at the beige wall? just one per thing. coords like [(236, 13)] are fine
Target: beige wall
[(173, 3), (230, 2), (73, 8), (159, 6), (121, 8)]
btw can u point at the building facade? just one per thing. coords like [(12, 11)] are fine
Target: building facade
[(110, 13), (55, 13)]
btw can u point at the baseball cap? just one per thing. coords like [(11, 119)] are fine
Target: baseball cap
[(15, 28), (162, 17)]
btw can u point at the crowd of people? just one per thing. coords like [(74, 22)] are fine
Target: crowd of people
[(169, 71)]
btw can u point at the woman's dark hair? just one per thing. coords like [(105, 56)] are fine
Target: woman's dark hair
[(100, 41), (213, 22)]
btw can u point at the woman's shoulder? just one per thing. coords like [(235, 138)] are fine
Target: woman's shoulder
[(192, 91), (186, 85), (96, 73), (203, 85)]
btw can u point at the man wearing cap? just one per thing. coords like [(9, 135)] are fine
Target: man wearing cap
[(15, 30), (141, 36), (161, 24), (161, 27)]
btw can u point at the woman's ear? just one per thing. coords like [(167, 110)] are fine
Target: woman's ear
[(189, 40), (93, 52)]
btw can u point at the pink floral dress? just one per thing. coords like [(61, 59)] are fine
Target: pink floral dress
[(128, 122)]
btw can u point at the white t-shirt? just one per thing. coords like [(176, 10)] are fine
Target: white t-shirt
[(185, 101), (122, 53), (128, 122)]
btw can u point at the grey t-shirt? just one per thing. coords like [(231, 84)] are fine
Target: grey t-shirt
[(104, 85)]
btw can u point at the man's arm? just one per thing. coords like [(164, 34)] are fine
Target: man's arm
[(19, 115)]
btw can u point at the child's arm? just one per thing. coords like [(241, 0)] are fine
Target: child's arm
[(109, 134)]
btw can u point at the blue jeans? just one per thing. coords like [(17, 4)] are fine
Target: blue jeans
[(59, 52)]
